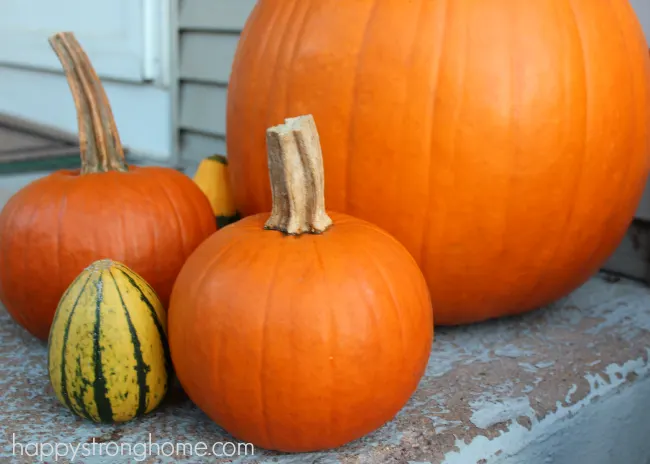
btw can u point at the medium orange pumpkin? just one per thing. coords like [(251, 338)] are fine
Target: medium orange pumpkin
[(504, 143), (149, 218), (308, 334)]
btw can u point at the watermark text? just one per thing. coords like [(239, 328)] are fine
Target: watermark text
[(138, 451)]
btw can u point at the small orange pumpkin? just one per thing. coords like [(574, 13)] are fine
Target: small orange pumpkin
[(304, 331), (149, 218)]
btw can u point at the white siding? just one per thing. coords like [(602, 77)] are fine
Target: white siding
[(128, 44), (209, 32)]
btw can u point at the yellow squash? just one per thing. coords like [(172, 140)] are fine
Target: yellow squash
[(212, 178), (108, 356)]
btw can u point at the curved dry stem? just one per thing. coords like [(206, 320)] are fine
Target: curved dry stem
[(101, 148)]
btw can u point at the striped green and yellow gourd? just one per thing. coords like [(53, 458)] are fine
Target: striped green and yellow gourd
[(108, 356)]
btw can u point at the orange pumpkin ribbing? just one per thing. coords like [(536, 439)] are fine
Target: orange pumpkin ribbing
[(504, 143)]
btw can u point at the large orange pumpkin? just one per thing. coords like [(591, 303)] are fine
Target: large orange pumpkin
[(150, 218), (504, 143), (308, 334)]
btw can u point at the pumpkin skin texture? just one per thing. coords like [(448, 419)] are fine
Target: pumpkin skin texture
[(149, 218), (300, 342), (108, 357), (504, 143)]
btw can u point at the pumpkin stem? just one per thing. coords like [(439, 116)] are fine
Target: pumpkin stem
[(297, 182), (99, 141)]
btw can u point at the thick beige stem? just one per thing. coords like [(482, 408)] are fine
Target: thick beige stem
[(297, 182)]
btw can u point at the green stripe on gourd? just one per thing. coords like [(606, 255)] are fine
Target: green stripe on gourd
[(108, 357)]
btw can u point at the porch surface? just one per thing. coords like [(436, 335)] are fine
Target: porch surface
[(565, 384), (27, 146)]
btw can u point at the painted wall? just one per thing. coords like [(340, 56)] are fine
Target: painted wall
[(128, 43), (642, 8), (207, 28), (142, 111)]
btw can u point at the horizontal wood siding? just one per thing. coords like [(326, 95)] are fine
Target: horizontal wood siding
[(207, 56), (203, 108), (197, 146), (214, 15), (209, 32)]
